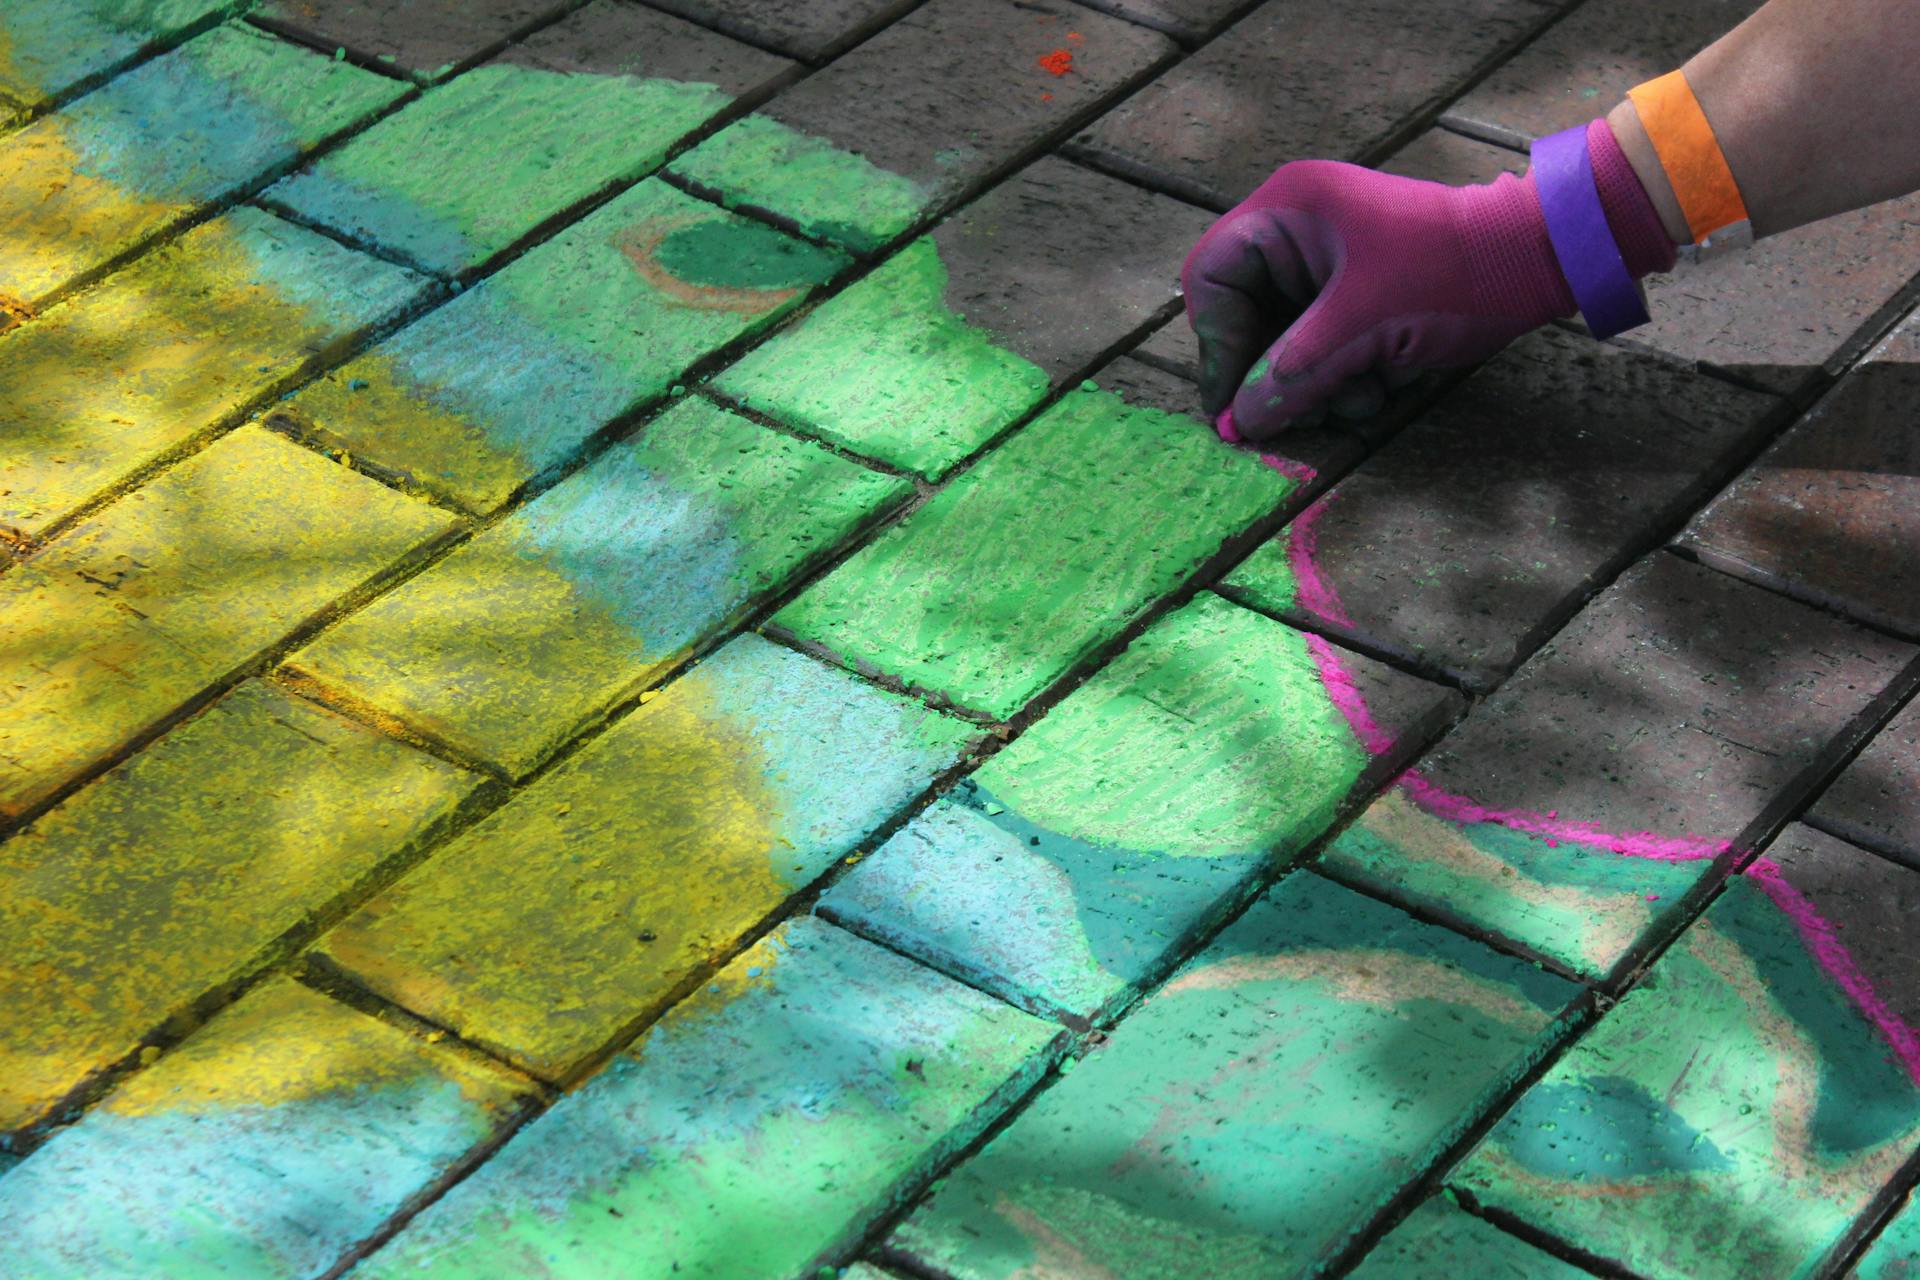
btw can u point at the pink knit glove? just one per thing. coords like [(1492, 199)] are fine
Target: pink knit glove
[(1331, 283)]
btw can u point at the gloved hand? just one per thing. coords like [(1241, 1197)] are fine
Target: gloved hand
[(1332, 283)]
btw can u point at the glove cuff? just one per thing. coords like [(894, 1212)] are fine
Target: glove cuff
[(1644, 244)]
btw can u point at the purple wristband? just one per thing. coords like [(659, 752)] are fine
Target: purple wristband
[(1582, 241)]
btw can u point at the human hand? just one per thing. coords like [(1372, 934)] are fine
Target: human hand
[(1332, 283)]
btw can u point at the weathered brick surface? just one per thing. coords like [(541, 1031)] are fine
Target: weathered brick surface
[(1734, 1115), (1084, 859), (1476, 532), (125, 374), (1289, 1093), (660, 845), (762, 1124), (511, 644), (49, 47), (505, 384), (1189, 20), (1876, 801), (1440, 1241), (1052, 544), (955, 337), (275, 1138), (1263, 1105), (1576, 807), (1173, 347), (474, 165), (1326, 79), (176, 873), (848, 154), (1831, 514), (94, 180), (813, 31), (1440, 155), (1895, 1255), (1779, 315), (178, 586), (891, 370), (1586, 62), (426, 39)]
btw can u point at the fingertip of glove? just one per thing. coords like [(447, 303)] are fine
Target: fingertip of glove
[(1223, 423)]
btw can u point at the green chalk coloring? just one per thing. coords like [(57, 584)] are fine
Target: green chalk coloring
[(738, 254)]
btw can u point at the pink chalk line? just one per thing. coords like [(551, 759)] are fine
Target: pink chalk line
[(1823, 943), (1816, 932)]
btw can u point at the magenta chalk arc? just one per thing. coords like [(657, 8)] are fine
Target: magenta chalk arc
[(1816, 932)]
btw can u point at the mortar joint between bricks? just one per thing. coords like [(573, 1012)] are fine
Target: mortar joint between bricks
[(318, 972), (1573, 1022), (214, 17), (241, 193), (1551, 1245), (1867, 1228)]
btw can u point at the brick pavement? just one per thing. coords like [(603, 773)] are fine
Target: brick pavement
[(621, 652)]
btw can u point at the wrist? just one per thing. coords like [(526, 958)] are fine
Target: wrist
[(1623, 122)]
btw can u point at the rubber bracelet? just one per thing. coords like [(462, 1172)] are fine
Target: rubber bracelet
[(1696, 168), (1583, 243)]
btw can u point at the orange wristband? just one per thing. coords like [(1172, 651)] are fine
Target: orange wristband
[(1702, 182)]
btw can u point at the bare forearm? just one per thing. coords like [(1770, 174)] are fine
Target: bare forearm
[(1816, 104)]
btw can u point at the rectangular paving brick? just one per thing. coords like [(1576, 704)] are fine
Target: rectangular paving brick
[(956, 336), (1028, 562), (176, 588), (1875, 802), (1831, 514), (1585, 63), (1579, 806), (277, 1137), (474, 165), (50, 47), (580, 907), (425, 39), (181, 872), (504, 385), (100, 177), (1262, 1107), (512, 643), (858, 1068), (1736, 1113), (1779, 315), (1470, 538), (147, 363), (848, 155), (1441, 1241), (1302, 79), (1077, 864), (814, 31)]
